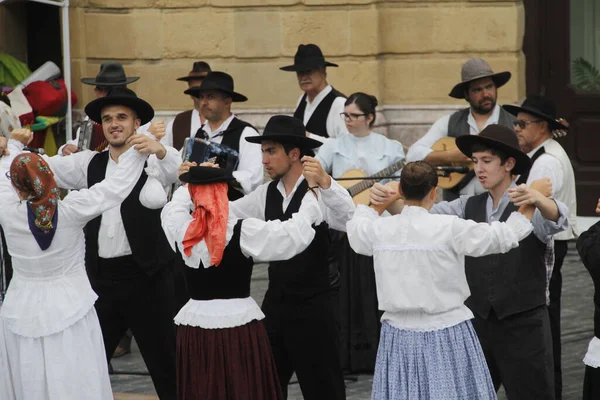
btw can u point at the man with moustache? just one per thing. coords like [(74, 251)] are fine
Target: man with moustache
[(478, 87), (320, 106), (187, 123), (127, 254), (215, 95)]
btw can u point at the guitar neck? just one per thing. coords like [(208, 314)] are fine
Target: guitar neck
[(370, 181)]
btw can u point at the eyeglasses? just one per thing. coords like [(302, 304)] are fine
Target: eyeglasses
[(523, 124), (351, 116)]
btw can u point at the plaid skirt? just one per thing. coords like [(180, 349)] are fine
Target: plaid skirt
[(446, 364), (226, 364)]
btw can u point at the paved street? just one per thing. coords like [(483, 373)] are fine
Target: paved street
[(577, 331)]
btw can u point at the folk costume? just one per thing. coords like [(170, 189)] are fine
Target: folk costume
[(462, 123), (588, 246), (51, 343), (551, 161), (359, 315), (233, 134), (508, 291), (299, 303), (428, 348), (186, 123), (220, 250), (128, 258), (321, 116)]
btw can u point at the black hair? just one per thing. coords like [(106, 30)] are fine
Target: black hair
[(365, 103), (417, 179), (480, 147), (287, 147)]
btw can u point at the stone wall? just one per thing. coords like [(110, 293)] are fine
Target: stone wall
[(406, 52)]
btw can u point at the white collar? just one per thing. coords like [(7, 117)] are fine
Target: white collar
[(532, 152), (320, 96), (281, 187), (221, 128)]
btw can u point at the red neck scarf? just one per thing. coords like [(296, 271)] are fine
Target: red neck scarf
[(211, 212)]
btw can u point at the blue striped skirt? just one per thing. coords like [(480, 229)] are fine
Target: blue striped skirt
[(446, 364)]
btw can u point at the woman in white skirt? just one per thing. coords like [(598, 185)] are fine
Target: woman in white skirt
[(428, 349), (51, 344)]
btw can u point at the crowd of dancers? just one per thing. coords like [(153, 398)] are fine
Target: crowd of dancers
[(440, 299)]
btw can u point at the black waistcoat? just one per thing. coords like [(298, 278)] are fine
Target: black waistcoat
[(507, 283), (182, 124), (149, 246), (317, 123), (305, 275), (229, 280), (588, 246)]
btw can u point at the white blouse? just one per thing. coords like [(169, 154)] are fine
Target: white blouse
[(264, 241), (50, 289), (419, 261)]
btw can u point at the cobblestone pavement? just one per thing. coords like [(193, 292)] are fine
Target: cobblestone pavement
[(577, 330)]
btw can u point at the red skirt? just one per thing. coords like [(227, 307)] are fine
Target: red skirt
[(226, 364)]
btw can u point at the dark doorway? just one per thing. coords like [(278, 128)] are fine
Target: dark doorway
[(43, 35)]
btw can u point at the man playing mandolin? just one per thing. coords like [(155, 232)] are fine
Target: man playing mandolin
[(478, 87)]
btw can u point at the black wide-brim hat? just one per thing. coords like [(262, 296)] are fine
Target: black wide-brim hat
[(111, 74), (497, 137), (474, 69), (308, 57), (286, 129), (206, 175), (120, 97), (199, 70), (541, 108), (217, 80)]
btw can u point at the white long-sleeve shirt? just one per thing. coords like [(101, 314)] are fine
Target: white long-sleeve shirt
[(419, 261)]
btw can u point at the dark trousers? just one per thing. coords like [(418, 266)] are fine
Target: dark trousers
[(303, 338), (560, 251), (591, 383), (128, 298), (518, 351)]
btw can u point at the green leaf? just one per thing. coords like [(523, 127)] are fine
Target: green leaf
[(586, 76)]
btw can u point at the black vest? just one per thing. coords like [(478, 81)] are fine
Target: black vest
[(305, 275), (588, 247), (536, 155), (507, 283), (458, 125), (182, 124), (317, 123), (149, 246), (229, 280)]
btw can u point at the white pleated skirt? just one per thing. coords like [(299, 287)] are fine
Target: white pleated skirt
[(66, 365)]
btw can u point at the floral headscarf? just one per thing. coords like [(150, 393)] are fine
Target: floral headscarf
[(32, 178), (9, 121)]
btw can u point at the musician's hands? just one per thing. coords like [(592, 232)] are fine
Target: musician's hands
[(157, 128), (69, 149), (314, 174), (3, 146), (147, 145), (542, 185), (22, 135), (380, 193), (185, 167)]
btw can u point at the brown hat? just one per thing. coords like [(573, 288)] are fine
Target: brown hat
[(497, 137), (477, 68), (199, 70)]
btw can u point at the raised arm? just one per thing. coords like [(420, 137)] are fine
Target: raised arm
[(361, 230)]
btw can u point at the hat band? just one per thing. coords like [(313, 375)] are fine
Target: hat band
[(102, 79)]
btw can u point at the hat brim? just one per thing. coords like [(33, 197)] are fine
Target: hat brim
[(500, 79), (302, 142), (144, 111), (93, 81), (235, 96), (205, 175), (192, 78), (552, 123), (307, 67), (466, 142)]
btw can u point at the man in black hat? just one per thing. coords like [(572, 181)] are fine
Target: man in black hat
[(111, 75), (127, 255), (320, 107), (478, 86), (508, 291), (299, 303), (187, 123), (535, 127), (215, 95)]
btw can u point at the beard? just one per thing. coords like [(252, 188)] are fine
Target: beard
[(480, 108)]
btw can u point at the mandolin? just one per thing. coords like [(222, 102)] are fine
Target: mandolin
[(359, 187), (451, 179)]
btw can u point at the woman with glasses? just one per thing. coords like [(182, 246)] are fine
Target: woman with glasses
[(369, 152)]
